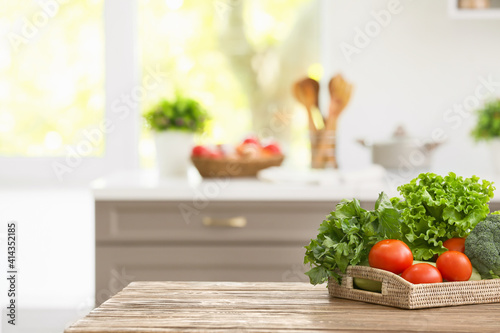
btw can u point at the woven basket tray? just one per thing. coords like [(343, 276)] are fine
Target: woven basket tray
[(227, 167), (400, 293)]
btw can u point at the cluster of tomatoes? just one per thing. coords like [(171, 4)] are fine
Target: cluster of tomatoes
[(250, 148), (395, 256)]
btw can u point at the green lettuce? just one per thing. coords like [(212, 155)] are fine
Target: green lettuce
[(437, 208), (346, 236)]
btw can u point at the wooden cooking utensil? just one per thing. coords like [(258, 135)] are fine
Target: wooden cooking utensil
[(306, 91), (340, 95)]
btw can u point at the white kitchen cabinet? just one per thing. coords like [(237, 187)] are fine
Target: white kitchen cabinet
[(121, 264), (150, 240)]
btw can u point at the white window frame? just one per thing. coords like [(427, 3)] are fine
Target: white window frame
[(121, 127), (122, 77)]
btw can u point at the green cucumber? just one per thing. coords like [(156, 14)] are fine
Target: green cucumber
[(475, 276), (369, 285), (365, 284)]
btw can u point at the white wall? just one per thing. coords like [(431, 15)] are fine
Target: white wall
[(420, 65), (55, 247)]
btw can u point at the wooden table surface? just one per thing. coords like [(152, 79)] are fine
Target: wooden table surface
[(268, 307)]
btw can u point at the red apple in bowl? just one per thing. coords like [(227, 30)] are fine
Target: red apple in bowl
[(200, 151), (248, 150), (272, 149), (251, 140)]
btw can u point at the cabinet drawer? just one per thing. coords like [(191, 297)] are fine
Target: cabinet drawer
[(293, 222), (117, 266)]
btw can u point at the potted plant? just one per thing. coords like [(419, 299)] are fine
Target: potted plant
[(488, 129), (174, 123)]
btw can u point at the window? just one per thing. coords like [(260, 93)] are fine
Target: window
[(75, 63), (230, 55), (65, 67), (51, 76)]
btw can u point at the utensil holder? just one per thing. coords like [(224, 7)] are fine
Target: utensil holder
[(323, 149)]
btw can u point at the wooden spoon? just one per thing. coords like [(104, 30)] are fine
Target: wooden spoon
[(306, 91), (340, 95)]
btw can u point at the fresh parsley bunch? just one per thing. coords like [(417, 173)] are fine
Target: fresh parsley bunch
[(347, 235)]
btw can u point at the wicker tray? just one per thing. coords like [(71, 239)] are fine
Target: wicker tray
[(400, 293), (230, 167)]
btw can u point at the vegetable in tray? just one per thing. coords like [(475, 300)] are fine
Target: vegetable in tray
[(483, 247), (436, 208), (347, 235), (433, 215)]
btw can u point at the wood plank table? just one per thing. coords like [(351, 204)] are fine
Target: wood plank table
[(267, 307)]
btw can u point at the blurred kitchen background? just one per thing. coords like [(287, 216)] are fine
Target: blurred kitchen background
[(67, 68)]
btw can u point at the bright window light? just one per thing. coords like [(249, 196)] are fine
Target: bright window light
[(53, 141), (51, 75), (174, 4)]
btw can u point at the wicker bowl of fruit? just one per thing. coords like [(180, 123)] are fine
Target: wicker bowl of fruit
[(244, 160)]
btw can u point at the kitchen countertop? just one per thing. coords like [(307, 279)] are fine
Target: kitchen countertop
[(329, 186), (147, 185), (149, 307)]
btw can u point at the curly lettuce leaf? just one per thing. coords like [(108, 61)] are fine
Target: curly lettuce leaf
[(437, 208)]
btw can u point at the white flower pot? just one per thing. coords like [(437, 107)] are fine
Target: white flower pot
[(173, 149), (494, 146)]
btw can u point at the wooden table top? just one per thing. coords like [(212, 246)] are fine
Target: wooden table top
[(268, 307)]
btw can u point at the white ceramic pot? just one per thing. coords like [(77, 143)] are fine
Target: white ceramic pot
[(494, 146), (173, 149), (402, 151)]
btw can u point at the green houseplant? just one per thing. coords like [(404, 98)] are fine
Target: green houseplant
[(488, 122), (488, 129), (181, 114), (174, 123)]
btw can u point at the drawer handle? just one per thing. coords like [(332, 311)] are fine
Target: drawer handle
[(234, 222)]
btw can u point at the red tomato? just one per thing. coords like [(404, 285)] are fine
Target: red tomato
[(455, 244), (200, 151), (253, 140), (272, 149), (391, 255), (422, 273), (215, 154), (454, 266)]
